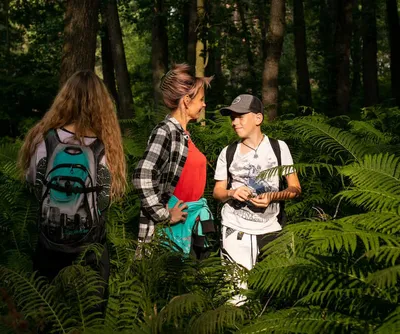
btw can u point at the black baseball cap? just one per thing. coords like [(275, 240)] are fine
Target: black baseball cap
[(244, 104)]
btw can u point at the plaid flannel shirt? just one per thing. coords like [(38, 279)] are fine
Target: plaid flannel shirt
[(157, 174)]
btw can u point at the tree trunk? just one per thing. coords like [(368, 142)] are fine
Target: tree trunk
[(246, 36), (216, 94), (4, 27), (394, 33), (300, 44), (159, 49), (200, 48), (370, 49), (190, 34), (107, 64), (327, 27), (262, 17), (275, 37), (118, 55), (342, 47), (200, 51), (80, 31), (356, 52)]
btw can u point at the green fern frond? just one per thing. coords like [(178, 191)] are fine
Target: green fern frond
[(36, 298), (214, 321), (80, 287), (308, 321), (301, 168), (391, 324), (385, 254), (384, 222), (385, 278), (370, 132), (179, 307), (329, 138), (346, 237)]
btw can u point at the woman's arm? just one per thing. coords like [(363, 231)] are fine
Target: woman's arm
[(147, 173)]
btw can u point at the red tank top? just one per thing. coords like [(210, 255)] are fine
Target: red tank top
[(192, 181)]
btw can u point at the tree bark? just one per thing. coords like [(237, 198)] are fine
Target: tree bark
[(118, 55), (107, 64), (4, 31), (356, 51), (370, 49), (246, 36), (275, 37), (394, 33), (214, 68), (327, 27), (190, 34), (300, 43), (200, 48), (80, 31), (159, 49), (342, 47)]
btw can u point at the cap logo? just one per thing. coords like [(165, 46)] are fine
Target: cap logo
[(236, 100)]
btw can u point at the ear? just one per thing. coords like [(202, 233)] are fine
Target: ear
[(259, 118), (186, 100)]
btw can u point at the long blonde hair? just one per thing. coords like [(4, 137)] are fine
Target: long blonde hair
[(83, 101)]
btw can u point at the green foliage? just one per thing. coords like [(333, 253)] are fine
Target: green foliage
[(334, 268)]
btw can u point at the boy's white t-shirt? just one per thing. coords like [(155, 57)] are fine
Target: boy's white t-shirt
[(244, 170)]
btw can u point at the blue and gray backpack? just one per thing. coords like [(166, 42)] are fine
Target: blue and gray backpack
[(74, 194)]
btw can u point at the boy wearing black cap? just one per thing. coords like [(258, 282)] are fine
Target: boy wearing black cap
[(251, 209)]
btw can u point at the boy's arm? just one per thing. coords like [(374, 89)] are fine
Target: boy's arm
[(293, 190), (222, 194)]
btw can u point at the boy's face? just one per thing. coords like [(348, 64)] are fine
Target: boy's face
[(246, 124)]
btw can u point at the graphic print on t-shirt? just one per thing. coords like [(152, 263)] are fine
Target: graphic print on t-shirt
[(247, 170)]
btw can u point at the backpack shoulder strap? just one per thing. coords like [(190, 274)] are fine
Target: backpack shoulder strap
[(230, 152), (98, 150), (51, 140), (277, 150)]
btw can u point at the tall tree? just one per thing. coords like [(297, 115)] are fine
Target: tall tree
[(200, 47), (370, 49), (276, 31), (4, 27), (343, 36), (246, 36), (80, 31), (190, 34), (326, 37), (356, 51), (159, 48), (300, 43), (107, 64), (214, 67), (394, 33), (118, 55)]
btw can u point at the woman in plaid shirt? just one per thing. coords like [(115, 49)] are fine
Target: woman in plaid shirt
[(172, 165)]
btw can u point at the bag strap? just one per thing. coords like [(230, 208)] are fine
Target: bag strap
[(230, 152), (98, 150)]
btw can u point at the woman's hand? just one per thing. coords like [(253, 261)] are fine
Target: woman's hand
[(177, 214), (241, 194), (262, 200)]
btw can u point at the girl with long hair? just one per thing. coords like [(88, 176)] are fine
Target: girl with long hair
[(171, 176), (81, 119)]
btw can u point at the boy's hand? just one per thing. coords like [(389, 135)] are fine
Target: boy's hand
[(262, 200), (241, 194)]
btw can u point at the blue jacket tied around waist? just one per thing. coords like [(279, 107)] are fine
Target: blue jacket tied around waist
[(198, 223)]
